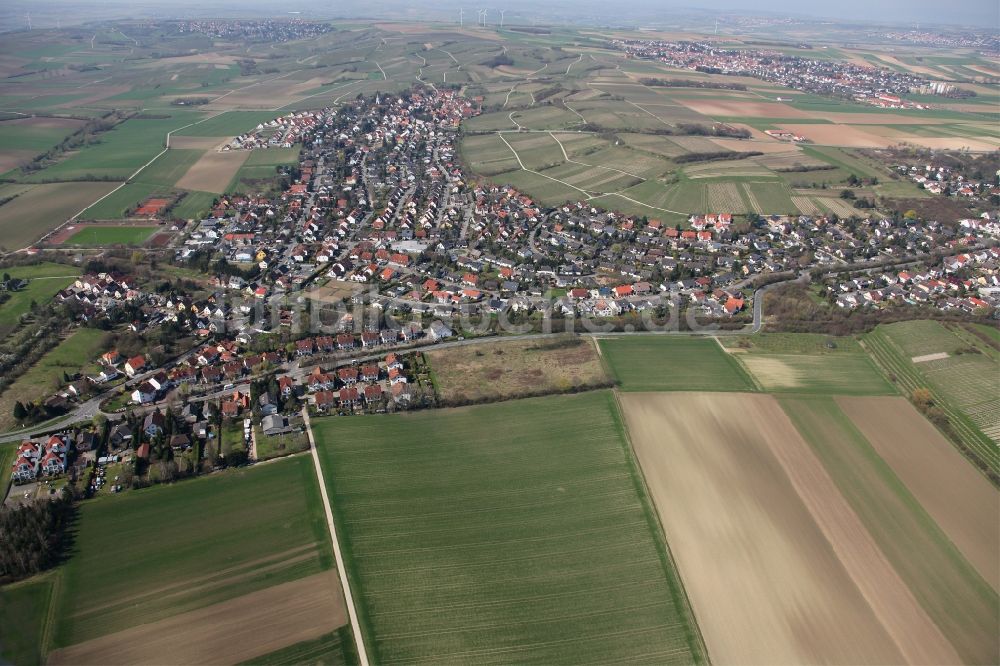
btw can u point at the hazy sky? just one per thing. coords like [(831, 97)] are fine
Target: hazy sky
[(979, 13), (982, 13)]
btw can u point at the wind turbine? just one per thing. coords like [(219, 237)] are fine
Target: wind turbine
[(501, 17), (483, 16), (28, 18), (461, 16)]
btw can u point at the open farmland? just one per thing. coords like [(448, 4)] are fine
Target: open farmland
[(654, 363), (23, 610), (963, 607), (966, 386), (91, 235), (516, 368), (263, 545), (42, 208), (121, 151), (214, 171), (959, 499), (486, 535), (778, 567), (837, 373)]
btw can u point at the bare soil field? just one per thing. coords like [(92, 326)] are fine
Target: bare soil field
[(842, 135), (767, 146), (11, 159), (43, 208), (225, 633), (958, 498), (739, 107), (271, 94), (97, 93), (197, 142), (334, 291), (778, 567), (975, 144), (516, 368), (213, 171), (210, 58)]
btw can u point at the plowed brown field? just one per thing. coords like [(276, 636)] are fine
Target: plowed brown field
[(225, 633), (778, 567), (959, 499)]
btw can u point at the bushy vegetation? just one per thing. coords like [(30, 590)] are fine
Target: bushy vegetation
[(32, 537)]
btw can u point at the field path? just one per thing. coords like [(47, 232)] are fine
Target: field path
[(914, 633), (352, 612)]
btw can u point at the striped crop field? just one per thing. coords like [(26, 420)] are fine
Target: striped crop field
[(963, 386), (518, 532)]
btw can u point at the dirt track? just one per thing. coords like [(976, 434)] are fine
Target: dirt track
[(959, 499), (778, 567), (225, 633)]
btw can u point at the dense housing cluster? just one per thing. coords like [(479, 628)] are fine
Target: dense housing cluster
[(868, 84)]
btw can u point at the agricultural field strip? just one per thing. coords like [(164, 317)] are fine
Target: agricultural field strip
[(335, 543), (962, 605), (433, 600), (748, 548), (868, 566), (134, 174), (970, 380), (895, 363)]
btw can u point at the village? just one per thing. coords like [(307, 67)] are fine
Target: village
[(863, 83), (321, 297)]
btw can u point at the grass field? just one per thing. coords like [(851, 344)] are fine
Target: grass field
[(516, 368), (650, 363), (193, 205), (183, 547), (843, 374), (44, 281), (229, 124), (120, 151), (487, 535), (23, 611), (960, 602), (72, 355), (90, 236)]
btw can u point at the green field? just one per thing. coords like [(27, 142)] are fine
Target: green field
[(119, 152), (44, 281), (180, 547), (193, 205), (91, 236), (792, 343), (229, 124), (487, 535), (274, 156), (128, 197), (334, 649), (832, 374), (664, 363), (955, 596), (24, 609)]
